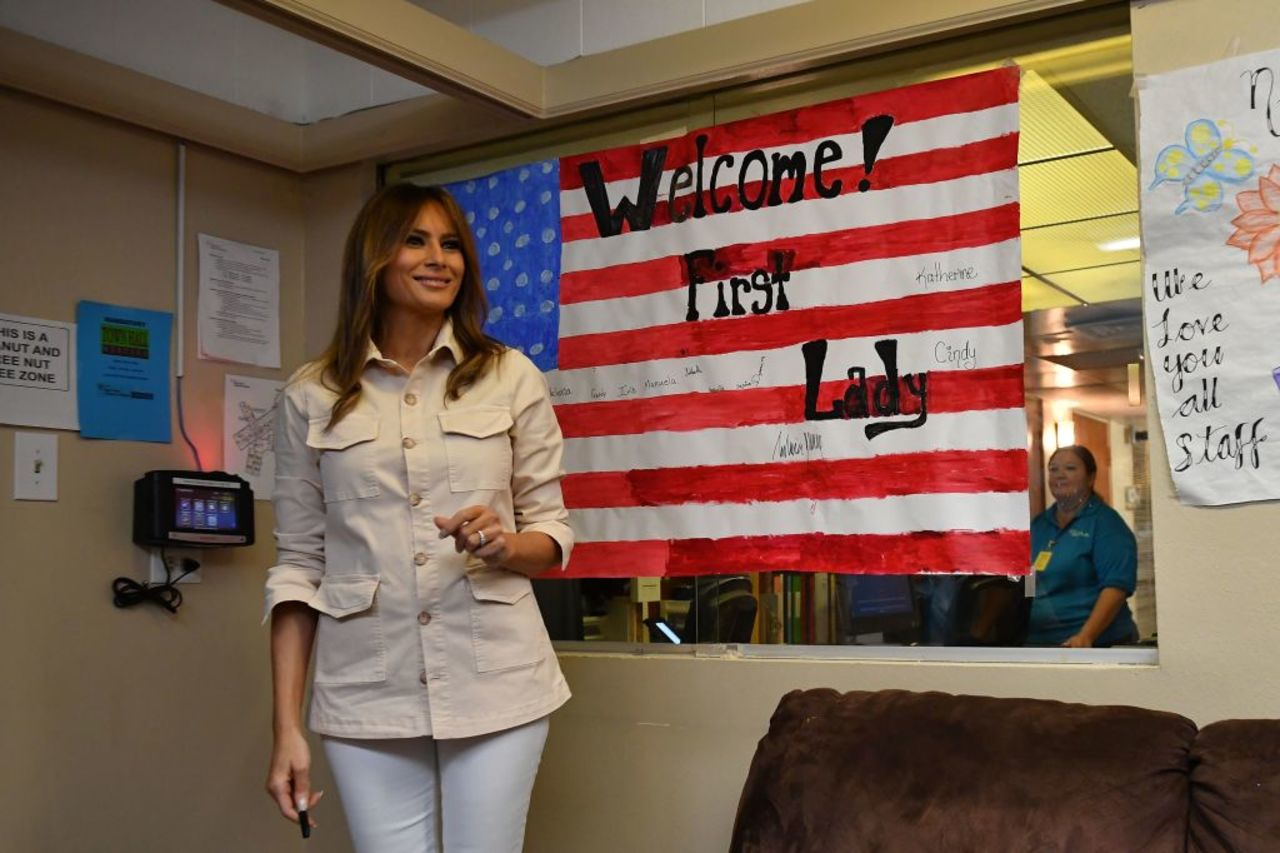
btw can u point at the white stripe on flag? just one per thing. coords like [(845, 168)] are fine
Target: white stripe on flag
[(899, 514), (854, 210), (851, 284), (950, 131), (993, 346), (992, 429)]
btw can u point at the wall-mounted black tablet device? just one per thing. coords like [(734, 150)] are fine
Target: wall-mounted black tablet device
[(206, 509)]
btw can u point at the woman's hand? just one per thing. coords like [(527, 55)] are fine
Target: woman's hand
[(289, 777), (475, 529), (1078, 641), (529, 552)]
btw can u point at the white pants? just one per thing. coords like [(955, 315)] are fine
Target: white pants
[(422, 795)]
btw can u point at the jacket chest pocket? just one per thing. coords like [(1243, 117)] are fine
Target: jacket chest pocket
[(506, 626), (350, 648), (347, 460), (478, 445)]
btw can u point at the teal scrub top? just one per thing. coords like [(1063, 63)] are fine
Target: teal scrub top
[(1096, 550)]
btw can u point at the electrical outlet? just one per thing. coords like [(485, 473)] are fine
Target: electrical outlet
[(176, 556)]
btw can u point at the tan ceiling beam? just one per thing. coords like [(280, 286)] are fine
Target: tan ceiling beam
[(784, 41), (413, 43), (415, 126), (751, 48), (40, 68), (403, 129)]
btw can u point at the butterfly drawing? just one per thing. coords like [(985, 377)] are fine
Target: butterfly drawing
[(1202, 166)]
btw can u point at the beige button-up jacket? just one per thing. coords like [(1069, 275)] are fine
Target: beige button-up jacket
[(414, 638)]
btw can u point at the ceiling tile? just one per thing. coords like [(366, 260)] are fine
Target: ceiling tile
[(1083, 187), (547, 32), (719, 11), (1103, 284), (610, 24), (1051, 127), (454, 11), (1054, 248)]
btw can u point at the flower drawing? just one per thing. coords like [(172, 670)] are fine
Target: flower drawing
[(1258, 225)]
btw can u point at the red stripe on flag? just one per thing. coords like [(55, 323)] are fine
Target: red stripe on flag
[(993, 305), (953, 95), (948, 391), (1005, 552), (938, 164), (929, 472), (826, 249)]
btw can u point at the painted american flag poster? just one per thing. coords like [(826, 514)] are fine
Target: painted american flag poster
[(789, 343)]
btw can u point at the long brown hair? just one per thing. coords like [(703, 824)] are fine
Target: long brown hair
[(379, 231)]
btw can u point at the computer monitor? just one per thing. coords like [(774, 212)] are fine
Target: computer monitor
[(876, 604)]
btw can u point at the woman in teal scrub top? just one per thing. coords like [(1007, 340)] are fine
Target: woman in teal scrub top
[(1085, 560)]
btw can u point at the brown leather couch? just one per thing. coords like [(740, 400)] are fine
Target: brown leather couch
[(894, 770)]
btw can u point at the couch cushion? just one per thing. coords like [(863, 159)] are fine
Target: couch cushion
[(1235, 787), (899, 771)]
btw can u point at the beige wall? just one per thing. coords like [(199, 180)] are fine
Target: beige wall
[(651, 753), (133, 730), (137, 731)]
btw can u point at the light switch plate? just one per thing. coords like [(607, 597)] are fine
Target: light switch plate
[(35, 466)]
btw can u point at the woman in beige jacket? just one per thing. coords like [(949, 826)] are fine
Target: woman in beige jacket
[(417, 490)]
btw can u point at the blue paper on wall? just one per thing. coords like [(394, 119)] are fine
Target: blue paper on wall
[(122, 356)]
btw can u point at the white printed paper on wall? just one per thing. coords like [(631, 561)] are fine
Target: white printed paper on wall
[(248, 431), (37, 373), (239, 310), (1210, 167)]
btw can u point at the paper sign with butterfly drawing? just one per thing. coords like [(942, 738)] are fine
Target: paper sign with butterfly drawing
[(1202, 166), (1210, 207)]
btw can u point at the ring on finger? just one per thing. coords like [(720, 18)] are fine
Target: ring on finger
[(483, 538)]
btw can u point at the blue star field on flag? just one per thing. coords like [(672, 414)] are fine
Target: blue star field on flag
[(515, 216)]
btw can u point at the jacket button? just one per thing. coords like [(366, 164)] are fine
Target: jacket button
[(415, 499), (411, 399), (408, 443), (424, 617), (420, 559), (422, 676)]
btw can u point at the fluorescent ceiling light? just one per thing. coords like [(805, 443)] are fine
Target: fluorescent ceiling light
[(1121, 245)]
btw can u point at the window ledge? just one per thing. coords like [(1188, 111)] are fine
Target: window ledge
[(1128, 656)]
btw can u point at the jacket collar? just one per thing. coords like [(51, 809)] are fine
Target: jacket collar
[(445, 340)]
